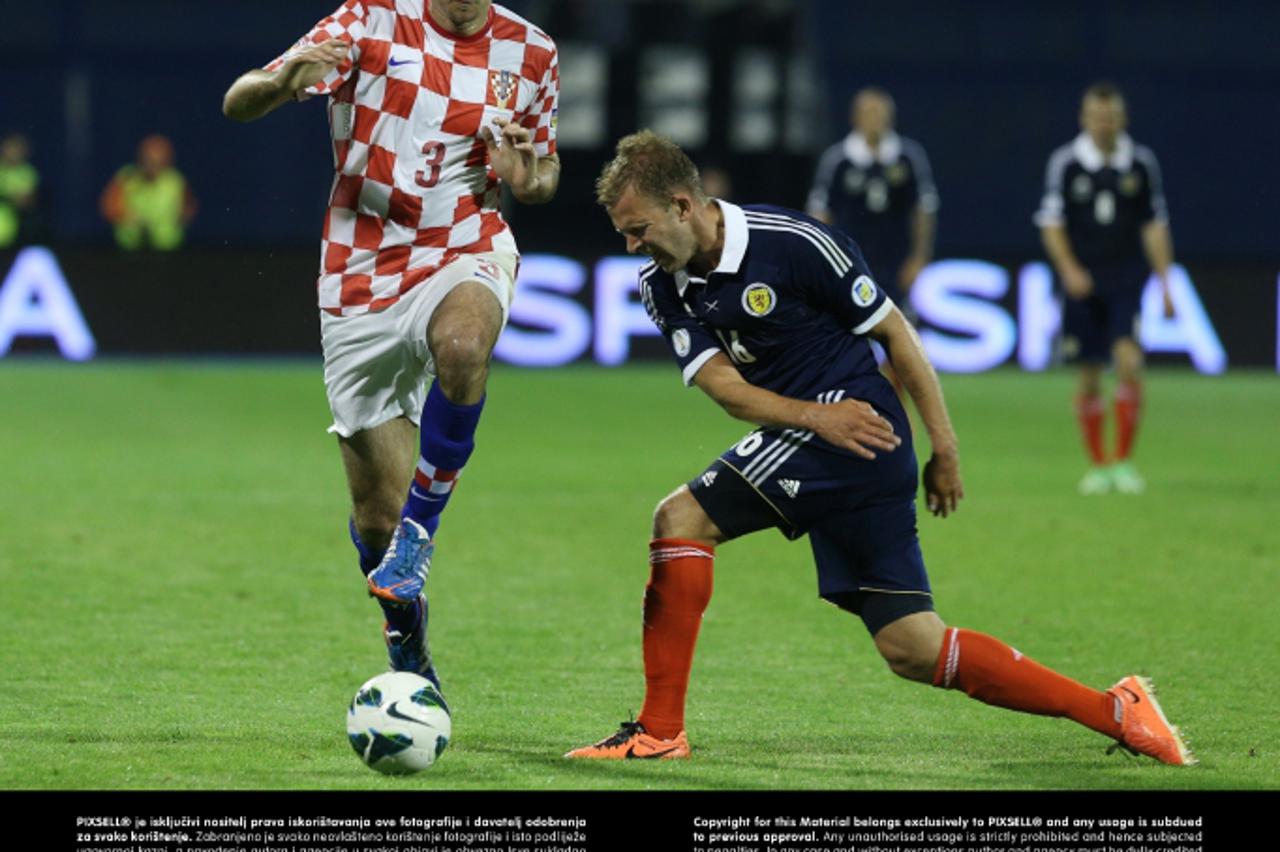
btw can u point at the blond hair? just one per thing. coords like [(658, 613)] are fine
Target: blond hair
[(653, 164)]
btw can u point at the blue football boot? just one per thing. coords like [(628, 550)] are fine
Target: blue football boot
[(408, 651), (400, 576)]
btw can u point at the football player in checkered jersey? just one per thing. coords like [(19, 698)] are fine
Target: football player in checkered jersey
[(1105, 226), (433, 104), (769, 313)]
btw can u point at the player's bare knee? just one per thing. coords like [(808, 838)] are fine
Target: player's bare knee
[(1128, 365), (460, 351), (678, 515), (1091, 381), (666, 517)]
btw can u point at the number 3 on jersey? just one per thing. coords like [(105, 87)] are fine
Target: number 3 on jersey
[(434, 152)]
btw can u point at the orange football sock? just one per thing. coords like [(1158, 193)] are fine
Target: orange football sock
[(1128, 406), (1090, 412), (989, 670), (678, 593)]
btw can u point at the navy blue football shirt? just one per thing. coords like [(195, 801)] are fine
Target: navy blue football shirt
[(789, 304), (874, 194), (1103, 200)]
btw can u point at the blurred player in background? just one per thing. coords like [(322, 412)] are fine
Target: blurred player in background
[(757, 304), (149, 203), (432, 104), (877, 186), (1105, 227)]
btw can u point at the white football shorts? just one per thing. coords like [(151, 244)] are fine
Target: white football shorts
[(377, 365)]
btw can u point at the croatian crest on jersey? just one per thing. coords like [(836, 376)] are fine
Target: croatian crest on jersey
[(759, 299), (864, 291), (503, 85), (680, 340), (1130, 183)]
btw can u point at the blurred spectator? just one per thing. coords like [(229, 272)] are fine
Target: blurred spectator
[(149, 202), (18, 183)]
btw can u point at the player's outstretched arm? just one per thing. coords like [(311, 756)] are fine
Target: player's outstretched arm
[(258, 92), (942, 485), (851, 423)]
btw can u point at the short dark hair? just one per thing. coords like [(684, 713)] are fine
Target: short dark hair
[(1104, 90), (877, 92), (653, 164)]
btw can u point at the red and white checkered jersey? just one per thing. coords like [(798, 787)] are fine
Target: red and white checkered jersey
[(413, 188)]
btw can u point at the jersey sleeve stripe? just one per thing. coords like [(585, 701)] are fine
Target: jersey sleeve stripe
[(820, 192), (697, 364), (838, 260), (1156, 183), (801, 224), (1050, 212), (926, 189), (839, 268), (874, 320), (646, 293)]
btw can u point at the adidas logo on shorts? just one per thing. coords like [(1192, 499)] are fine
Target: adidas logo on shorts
[(791, 486)]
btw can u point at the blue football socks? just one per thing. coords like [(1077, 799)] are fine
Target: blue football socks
[(446, 437)]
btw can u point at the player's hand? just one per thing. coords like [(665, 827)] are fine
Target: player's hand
[(512, 156), (1077, 281), (909, 272), (942, 487), (855, 426), (311, 65)]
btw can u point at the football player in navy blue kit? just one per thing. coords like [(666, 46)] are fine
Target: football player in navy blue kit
[(768, 312), (879, 185), (1105, 227)]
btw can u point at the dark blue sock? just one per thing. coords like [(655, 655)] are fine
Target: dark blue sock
[(446, 439), (402, 618), (369, 558)]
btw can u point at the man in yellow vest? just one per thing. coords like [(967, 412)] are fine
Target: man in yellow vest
[(149, 202), (18, 183)]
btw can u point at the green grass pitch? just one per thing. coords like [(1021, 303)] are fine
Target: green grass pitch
[(181, 608)]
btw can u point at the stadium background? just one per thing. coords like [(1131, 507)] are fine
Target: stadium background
[(755, 88), (181, 608)]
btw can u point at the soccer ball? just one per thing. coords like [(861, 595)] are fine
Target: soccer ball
[(398, 723)]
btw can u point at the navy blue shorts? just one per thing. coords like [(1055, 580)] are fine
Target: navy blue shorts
[(859, 514), (1090, 326)]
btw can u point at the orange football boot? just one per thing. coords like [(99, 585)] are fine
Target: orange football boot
[(631, 742), (1144, 728)]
